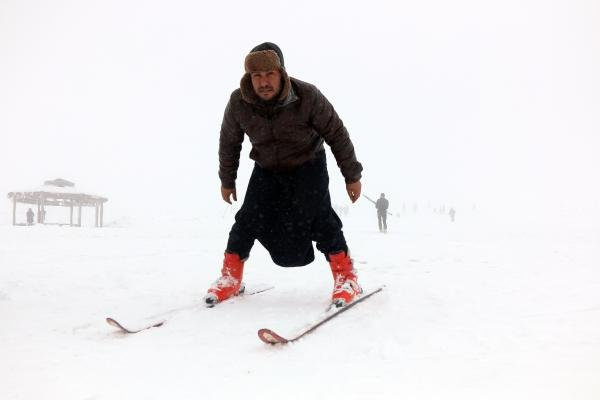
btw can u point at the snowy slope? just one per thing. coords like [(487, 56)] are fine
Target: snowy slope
[(468, 313)]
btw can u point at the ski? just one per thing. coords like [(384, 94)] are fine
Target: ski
[(117, 324), (157, 320), (270, 337)]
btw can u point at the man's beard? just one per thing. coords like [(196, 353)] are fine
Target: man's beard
[(266, 90), (273, 100)]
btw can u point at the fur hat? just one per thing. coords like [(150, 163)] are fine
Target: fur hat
[(264, 57)]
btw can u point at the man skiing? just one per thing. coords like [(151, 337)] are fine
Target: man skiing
[(287, 204), (382, 205)]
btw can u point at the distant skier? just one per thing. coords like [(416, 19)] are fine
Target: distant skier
[(287, 204), (452, 213), (382, 205), (30, 215)]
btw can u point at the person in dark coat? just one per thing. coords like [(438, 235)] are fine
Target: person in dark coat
[(287, 204), (382, 205), (30, 215)]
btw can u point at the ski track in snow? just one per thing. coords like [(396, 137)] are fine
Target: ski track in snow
[(471, 310)]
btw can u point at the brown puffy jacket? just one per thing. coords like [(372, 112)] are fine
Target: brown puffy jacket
[(285, 134)]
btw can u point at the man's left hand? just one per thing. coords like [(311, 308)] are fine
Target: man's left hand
[(353, 190)]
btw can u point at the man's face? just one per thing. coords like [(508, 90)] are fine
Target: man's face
[(266, 84)]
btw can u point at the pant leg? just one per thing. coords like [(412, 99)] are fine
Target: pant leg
[(327, 231), (253, 216), (327, 226)]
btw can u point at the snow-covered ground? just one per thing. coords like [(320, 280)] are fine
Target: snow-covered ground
[(472, 310)]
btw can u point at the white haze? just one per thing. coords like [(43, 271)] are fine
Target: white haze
[(492, 108), (487, 104)]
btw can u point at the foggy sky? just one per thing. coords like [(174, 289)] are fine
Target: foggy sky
[(462, 102)]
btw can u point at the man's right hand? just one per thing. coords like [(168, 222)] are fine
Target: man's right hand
[(227, 194), (353, 190)]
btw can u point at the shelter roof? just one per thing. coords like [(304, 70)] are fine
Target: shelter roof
[(58, 192)]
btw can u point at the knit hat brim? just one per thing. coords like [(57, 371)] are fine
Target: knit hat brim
[(263, 60)]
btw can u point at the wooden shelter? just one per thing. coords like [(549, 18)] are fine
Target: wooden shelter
[(61, 193)]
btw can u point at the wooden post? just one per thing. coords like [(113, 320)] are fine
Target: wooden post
[(101, 215), (71, 212), (14, 210), (79, 216), (43, 211), (96, 216)]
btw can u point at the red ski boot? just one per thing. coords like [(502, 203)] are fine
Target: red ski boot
[(346, 286), (229, 284)]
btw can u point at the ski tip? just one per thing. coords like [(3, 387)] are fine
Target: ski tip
[(114, 323), (270, 337)]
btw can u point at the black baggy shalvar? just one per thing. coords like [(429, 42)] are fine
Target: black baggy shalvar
[(286, 211)]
